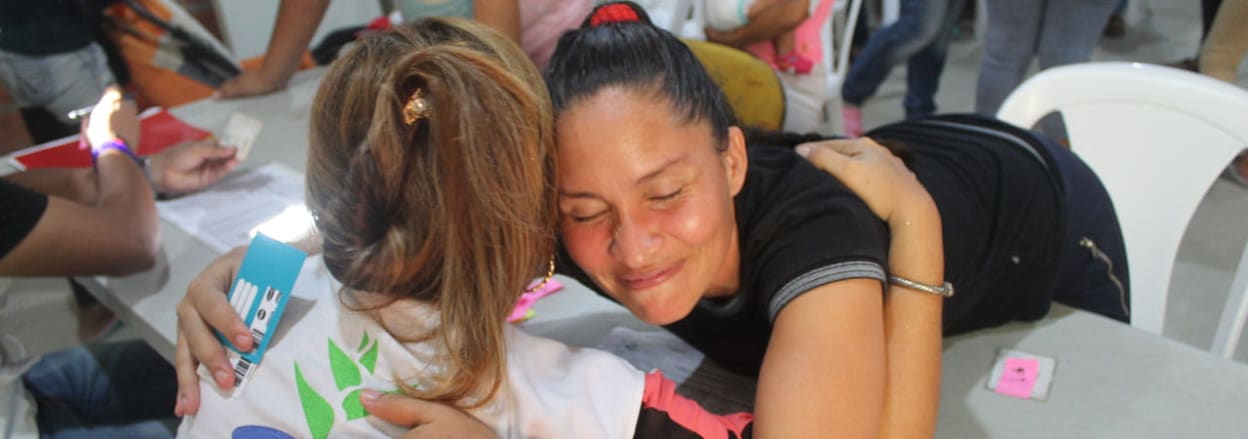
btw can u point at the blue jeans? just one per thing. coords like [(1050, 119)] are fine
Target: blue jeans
[(920, 35), (1055, 32), (122, 390), (1092, 269)]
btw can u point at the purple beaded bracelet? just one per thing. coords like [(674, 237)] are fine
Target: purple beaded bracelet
[(116, 144)]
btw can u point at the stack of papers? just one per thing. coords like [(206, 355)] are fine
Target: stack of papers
[(268, 199)]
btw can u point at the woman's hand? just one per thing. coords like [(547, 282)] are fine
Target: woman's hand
[(426, 419), (206, 307), (250, 83), (190, 166), (875, 174)]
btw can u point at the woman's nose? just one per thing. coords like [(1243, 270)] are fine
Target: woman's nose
[(635, 242)]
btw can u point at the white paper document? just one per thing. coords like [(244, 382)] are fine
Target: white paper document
[(227, 214)]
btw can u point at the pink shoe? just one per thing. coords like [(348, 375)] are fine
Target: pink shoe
[(795, 63), (851, 119)]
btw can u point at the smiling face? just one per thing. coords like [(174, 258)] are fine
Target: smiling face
[(645, 202)]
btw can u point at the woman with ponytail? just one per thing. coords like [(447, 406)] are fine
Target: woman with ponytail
[(833, 292)]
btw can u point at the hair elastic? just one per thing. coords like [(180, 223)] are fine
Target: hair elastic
[(614, 13)]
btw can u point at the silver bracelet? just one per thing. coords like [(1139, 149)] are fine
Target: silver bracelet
[(945, 290)]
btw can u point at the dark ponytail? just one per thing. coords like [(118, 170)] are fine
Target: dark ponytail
[(618, 46)]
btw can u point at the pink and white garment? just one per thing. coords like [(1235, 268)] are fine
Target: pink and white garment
[(323, 354)]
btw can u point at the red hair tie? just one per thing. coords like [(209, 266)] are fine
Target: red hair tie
[(613, 13)]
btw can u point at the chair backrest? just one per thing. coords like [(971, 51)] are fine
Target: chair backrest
[(837, 37), (752, 88), (1157, 137)]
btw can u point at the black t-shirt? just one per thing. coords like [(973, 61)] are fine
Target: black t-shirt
[(1000, 206), (20, 210), (800, 228), (46, 27)]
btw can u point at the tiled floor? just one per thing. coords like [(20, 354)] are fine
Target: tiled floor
[(1158, 31)]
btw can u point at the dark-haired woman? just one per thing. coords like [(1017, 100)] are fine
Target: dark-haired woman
[(829, 290)]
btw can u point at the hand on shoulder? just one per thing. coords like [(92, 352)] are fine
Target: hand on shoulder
[(888, 187)]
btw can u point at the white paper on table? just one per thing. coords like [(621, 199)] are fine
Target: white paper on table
[(227, 214)]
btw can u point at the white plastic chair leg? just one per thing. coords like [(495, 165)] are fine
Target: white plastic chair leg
[(1234, 315)]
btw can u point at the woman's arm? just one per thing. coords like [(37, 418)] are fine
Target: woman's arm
[(117, 236), (911, 318), (292, 32), (824, 371), (71, 184), (117, 231), (502, 15), (767, 23)]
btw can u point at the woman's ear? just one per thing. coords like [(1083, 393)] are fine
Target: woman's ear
[(736, 161)]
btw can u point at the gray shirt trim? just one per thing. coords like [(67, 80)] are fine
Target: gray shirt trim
[(821, 276)]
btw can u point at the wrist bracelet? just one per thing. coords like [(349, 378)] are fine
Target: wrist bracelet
[(945, 290), (116, 144)]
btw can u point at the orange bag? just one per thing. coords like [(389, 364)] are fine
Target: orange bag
[(172, 60)]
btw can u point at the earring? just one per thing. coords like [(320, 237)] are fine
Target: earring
[(550, 272)]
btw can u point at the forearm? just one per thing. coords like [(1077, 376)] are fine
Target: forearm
[(912, 321), (297, 20), (502, 15), (76, 185), (832, 385), (114, 235), (768, 22), (127, 206)]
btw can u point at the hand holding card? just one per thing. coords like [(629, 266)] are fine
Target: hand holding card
[(241, 131), (259, 296)]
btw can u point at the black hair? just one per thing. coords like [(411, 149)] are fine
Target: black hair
[(608, 51)]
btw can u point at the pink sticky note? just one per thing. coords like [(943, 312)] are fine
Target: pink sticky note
[(1018, 377)]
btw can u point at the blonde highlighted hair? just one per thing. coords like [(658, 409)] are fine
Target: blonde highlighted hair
[(457, 209)]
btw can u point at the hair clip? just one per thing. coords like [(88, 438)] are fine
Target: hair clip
[(416, 108), (614, 13)]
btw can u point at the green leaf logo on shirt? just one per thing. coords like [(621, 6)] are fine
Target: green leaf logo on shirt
[(317, 411)]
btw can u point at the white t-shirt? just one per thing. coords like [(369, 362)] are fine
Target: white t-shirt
[(323, 354)]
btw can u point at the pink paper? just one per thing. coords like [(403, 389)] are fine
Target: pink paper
[(1018, 377)]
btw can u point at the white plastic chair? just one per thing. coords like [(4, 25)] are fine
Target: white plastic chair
[(838, 36), (1157, 137)]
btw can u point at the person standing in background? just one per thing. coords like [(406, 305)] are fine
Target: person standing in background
[(1220, 56), (535, 24), (921, 36), (1055, 32), (49, 60)]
